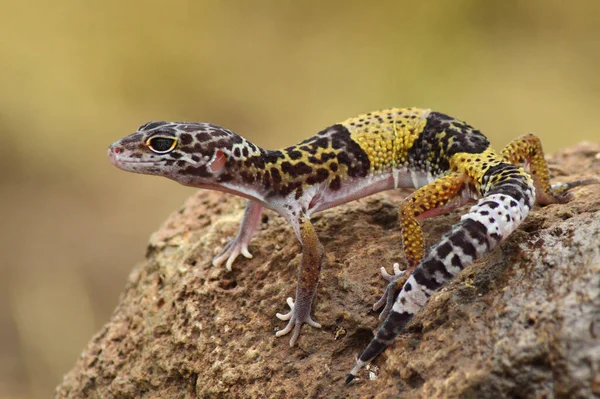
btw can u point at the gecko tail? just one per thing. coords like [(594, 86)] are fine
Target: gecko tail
[(487, 223), (389, 330)]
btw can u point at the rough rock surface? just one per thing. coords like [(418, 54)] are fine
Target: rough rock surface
[(522, 322)]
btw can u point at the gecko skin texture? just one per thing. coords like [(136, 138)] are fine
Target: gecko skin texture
[(448, 162)]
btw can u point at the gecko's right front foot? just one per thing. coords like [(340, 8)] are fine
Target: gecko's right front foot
[(396, 281), (231, 251)]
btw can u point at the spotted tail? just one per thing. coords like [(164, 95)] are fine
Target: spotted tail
[(508, 195)]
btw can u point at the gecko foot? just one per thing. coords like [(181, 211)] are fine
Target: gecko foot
[(297, 316), (562, 191), (396, 281), (231, 251)]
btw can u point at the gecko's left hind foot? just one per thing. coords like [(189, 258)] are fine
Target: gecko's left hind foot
[(396, 281), (561, 191)]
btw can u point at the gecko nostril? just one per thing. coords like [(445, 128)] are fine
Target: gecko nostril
[(117, 150)]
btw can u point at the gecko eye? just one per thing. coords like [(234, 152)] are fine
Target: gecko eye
[(161, 144)]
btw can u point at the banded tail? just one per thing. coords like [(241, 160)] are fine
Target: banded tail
[(505, 202)]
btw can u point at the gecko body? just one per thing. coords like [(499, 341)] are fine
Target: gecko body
[(448, 162)]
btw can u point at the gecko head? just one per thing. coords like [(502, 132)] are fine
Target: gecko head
[(190, 153)]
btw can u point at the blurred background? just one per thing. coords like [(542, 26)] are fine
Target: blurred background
[(77, 75)]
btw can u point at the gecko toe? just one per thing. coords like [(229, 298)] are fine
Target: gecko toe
[(295, 318)]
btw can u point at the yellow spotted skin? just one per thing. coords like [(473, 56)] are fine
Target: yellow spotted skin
[(386, 136)]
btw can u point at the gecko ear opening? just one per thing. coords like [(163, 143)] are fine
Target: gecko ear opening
[(218, 161)]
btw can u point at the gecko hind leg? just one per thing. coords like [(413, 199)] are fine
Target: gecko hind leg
[(441, 196), (527, 151)]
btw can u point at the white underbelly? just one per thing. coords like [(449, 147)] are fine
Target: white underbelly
[(353, 189)]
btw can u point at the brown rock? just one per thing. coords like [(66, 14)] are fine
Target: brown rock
[(522, 322)]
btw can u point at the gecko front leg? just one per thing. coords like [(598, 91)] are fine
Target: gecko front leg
[(308, 279), (239, 245)]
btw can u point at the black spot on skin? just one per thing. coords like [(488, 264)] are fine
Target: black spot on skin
[(286, 189), (197, 148), (225, 177), (326, 156), (296, 169), (335, 184), (477, 230), (436, 266), (456, 261), (491, 204), (484, 213), (202, 136), (299, 193), (513, 203), (444, 250), (344, 158), (246, 177), (175, 155), (181, 163), (407, 287), (321, 142), (237, 153), (423, 276), (169, 162), (496, 236), (314, 160), (320, 176), (186, 138), (515, 192), (276, 176), (458, 240), (293, 153), (195, 158), (245, 152), (272, 156), (333, 167), (256, 161), (337, 143), (267, 180), (211, 146)]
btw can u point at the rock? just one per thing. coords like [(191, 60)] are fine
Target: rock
[(523, 321)]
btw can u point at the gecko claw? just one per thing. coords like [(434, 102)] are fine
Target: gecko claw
[(392, 277), (295, 317), (389, 295), (230, 252), (288, 315)]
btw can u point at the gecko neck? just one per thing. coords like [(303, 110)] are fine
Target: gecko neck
[(247, 171)]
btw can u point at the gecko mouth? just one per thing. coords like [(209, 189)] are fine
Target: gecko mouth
[(121, 163)]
